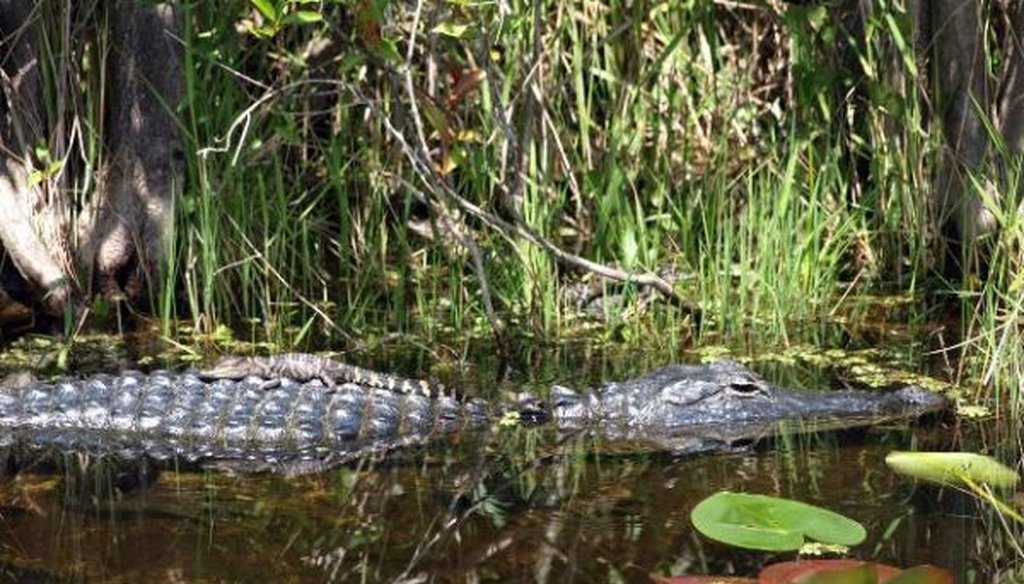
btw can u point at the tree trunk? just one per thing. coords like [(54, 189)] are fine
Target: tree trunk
[(124, 229), (34, 220), (116, 241), (961, 96)]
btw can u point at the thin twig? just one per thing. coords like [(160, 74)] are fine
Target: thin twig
[(421, 166), (428, 173), (425, 173), (270, 270)]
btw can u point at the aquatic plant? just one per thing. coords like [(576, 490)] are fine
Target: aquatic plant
[(767, 523)]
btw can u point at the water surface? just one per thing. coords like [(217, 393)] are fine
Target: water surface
[(511, 505)]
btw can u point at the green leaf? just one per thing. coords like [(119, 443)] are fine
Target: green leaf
[(451, 29), (389, 51), (351, 61), (902, 46), (817, 17), (38, 176), (266, 31), (435, 117), (266, 8), (630, 248), (952, 468), (303, 17), (770, 523)]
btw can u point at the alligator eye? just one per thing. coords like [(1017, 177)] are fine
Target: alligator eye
[(747, 388)]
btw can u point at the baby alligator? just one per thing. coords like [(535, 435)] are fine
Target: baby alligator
[(304, 367)]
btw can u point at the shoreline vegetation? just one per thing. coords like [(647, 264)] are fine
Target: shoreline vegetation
[(678, 173)]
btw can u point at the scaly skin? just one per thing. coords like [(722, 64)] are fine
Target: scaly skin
[(681, 408), (165, 416), (307, 367)]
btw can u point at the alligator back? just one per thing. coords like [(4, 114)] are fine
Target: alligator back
[(165, 415)]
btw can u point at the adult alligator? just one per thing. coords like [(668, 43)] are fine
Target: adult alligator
[(294, 424)]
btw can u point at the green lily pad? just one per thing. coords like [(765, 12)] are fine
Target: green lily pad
[(768, 523), (952, 468)]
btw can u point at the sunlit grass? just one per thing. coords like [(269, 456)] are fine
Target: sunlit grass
[(727, 148)]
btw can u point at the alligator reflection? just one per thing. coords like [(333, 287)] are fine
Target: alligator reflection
[(522, 504)]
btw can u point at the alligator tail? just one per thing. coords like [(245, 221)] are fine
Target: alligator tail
[(376, 379)]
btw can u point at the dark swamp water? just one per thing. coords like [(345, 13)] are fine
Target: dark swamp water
[(514, 505)]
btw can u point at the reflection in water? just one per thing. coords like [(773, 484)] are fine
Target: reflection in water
[(518, 505)]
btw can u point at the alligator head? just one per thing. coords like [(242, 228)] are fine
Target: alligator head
[(726, 401)]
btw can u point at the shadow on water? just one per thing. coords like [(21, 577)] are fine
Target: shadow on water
[(517, 504)]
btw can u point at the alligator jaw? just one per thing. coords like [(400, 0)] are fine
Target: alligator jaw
[(872, 406)]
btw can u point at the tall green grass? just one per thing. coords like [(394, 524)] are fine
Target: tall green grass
[(727, 143)]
